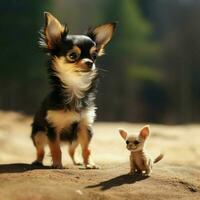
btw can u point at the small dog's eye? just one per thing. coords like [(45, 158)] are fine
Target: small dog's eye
[(73, 56), (94, 55), (136, 142), (127, 142)]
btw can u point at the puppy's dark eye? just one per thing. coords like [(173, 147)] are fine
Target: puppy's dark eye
[(127, 142), (72, 56), (94, 55), (136, 142)]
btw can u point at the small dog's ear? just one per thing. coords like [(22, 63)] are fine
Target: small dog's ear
[(123, 134), (145, 132), (102, 34), (53, 30)]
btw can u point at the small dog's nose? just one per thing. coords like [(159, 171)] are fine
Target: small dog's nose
[(89, 63)]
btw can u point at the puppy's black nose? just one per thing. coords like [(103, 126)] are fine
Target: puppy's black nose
[(89, 63)]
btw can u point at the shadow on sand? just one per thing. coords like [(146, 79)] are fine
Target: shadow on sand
[(20, 167), (119, 180)]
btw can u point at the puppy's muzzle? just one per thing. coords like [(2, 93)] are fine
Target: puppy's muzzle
[(88, 63)]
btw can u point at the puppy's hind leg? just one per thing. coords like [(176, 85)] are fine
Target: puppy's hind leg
[(148, 167), (84, 137), (54, 145), (72, 148), (132, 166), (39, 140)]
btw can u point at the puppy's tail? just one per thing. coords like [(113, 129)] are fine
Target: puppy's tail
[(158, 158)]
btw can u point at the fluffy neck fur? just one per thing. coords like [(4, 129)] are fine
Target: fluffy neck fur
[(76, 89)]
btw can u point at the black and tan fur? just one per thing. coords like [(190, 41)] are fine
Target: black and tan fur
[(68, 112)]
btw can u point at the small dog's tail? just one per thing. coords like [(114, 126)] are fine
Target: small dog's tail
[(158, 158)]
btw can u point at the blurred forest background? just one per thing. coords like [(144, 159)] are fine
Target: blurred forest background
[(151, 69)]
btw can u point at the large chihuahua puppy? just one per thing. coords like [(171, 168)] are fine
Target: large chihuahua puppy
[(68, 112), (140, 161)]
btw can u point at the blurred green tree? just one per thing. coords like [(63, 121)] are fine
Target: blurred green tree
[(153, 63), (22, 66), (133, 61), (178, 33)]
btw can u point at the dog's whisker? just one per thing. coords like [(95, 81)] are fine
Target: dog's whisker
[(102, 69)]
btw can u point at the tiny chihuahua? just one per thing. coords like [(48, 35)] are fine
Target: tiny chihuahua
[(140, 161), (68, 112)]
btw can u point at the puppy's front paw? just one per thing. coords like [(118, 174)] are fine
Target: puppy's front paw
[(147, 174), (131, 173), (57, 166), (37, 163), (92, 166), (77, 163)]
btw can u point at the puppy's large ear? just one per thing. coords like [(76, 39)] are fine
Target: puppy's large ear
[(102, 34), (144, 132), (53, 30), (123, 134)]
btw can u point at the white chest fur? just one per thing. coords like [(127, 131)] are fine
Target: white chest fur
[(76, 83), (61, 119)]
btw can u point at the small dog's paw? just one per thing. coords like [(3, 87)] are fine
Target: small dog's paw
[(78, 163), (92, 166), (37, 163), (146, 174), (57, 167), (131, 173), (149, 174)]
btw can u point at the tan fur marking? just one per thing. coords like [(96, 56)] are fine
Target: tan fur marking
[(84, 140), (56, 153), (93, 50), (62, 119), (40, 141), (100, 52), (75, 49), (83, 135), (86, 154), (72, 148), (40, 155)]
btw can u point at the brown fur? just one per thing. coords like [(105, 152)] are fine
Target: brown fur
[(53, 30)]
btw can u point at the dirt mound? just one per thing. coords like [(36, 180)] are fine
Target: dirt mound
[(110, 182), (177, 176)]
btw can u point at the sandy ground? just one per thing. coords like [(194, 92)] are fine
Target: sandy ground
[(177, 176)]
